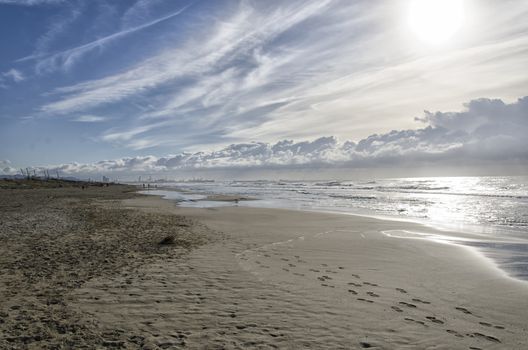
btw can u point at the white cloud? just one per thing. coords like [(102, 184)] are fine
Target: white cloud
[(6, 168), (89, 119), (30, 2), (487, 130), (13, 75)]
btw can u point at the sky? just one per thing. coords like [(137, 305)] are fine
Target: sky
[(159, 86)]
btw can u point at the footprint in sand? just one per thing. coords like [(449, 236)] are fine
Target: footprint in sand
[(464, 310), (284, 259), (292, 265), (355, 284), (421, 301), (401, 290), (415, 321), (490, 325), (397, 309), (298, 274), (325, 265), (356, 276), (352, 291), (365, 300), (285, 269), (314, 270), (370, 284), (484, 336), (340, 267), (372, 294), (407, 304), (455, 333), (434, 319)]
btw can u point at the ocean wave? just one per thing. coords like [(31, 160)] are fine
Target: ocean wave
[(412, 187), (352, 197), (329, 184)]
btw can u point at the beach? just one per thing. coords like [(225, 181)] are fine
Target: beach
[(252, 278), (55, 237)]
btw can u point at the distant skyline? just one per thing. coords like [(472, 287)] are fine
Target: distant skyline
[(154, 86)]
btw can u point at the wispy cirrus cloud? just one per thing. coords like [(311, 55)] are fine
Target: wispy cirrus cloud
[(253, 76), (140, 12), (244, 31), (65, 59), (89, 119), (58, 27), (13, 75), (31, 2)]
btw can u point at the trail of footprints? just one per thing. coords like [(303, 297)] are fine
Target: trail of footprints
[(323, 275)]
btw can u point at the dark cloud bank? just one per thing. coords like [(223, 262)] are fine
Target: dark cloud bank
[(488, 133)]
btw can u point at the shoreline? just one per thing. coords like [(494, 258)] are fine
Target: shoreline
[(466, 228), (450, 235)]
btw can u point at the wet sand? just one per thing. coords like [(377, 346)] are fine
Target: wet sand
[(247, 278)]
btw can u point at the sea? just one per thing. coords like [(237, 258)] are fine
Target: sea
[(492, 208)]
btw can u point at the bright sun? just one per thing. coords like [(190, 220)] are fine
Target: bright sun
[(436, 21)]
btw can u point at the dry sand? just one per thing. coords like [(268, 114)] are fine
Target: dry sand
[(53, 240), (274, 279)]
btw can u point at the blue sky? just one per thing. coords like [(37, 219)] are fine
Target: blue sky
[(87, 81)]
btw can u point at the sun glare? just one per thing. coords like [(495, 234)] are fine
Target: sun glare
[(435, 21)]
